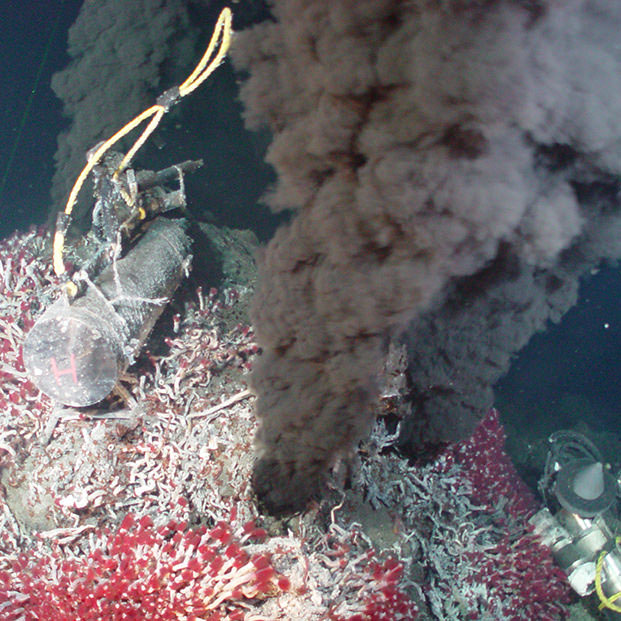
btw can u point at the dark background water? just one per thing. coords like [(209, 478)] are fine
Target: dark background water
[(566, 375), (33, 46)]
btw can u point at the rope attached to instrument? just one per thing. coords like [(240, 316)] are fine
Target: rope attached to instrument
[(222, 36)]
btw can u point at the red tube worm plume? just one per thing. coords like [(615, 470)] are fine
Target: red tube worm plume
[(380, 597), (518, 572), (142, 572)]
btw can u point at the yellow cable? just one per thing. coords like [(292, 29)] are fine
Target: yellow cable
[(199, 75), (159, 112), (605, 602), (222, 30), (57, 257)]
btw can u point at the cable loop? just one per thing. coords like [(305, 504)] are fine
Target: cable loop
[(222, 33)]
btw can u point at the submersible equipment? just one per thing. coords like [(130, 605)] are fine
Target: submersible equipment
[(76, 351), (81, 344), (581, 521)]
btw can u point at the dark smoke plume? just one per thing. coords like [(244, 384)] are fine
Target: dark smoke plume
[(453, 169)]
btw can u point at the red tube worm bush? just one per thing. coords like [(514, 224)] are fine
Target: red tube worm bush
[(142, 571)]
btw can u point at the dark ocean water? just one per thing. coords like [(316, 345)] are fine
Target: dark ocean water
[(568, 376), (33, 47)]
